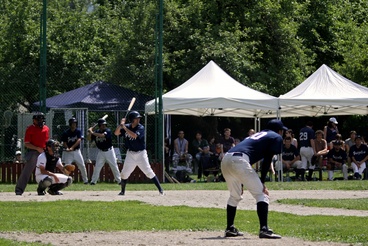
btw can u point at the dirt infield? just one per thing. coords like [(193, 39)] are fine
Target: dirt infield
[(210, 199)]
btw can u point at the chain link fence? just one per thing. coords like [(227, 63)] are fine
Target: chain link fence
[(87, 42)]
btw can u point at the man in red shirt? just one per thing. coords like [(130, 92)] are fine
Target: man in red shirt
[(35, 141)]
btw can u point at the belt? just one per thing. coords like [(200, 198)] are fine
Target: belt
[(135, 150), (238, 154), (104, 150)]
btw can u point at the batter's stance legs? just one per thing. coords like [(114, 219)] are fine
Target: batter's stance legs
[(158, 185), (123, 184), (154, 179)]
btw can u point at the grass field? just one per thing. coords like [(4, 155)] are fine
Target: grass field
[(31, 216)]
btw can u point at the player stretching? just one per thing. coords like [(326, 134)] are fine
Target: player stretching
[(136, 151), (237, 170)]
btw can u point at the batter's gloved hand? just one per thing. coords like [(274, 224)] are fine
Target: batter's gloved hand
[(69, 169)]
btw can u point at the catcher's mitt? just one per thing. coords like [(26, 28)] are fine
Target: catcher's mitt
[(68, 169)]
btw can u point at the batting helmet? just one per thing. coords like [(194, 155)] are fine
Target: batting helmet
[(133, 115), (72, 120), (101, 122)]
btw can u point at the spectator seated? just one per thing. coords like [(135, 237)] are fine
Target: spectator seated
[(208, 164)]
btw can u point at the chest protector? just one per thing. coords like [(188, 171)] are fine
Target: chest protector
[(51, 162)]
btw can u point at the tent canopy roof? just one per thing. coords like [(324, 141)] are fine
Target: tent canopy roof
[(99, 96), (325, 92), (212, 92)]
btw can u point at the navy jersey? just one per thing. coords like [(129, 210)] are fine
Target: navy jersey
[(132, 144), (358, 153), (306, 134), (260, 145), (339, 156), (290, 153), (70, 137), (331, 134), (103, 143)]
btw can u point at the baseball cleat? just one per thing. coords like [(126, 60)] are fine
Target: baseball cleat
[(162, 193), (268, 233), (54, 193), (92, 183), (233, 232), (41, 192), (121, 193)]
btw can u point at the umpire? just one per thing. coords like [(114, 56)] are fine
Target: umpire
[(35, 141)]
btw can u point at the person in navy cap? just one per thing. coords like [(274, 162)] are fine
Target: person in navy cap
[(236, 167)]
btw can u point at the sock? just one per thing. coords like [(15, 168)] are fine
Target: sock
[(302, 174), (157, 183), (310, 173), (230, 212), (297, 174), (262, 211), (330, 175), (123, 184)]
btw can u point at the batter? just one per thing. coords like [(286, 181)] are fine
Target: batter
[(136, 151)]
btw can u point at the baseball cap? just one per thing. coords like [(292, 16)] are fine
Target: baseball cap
[(276, 125), (358, 136), (337, 142), (333, 120), (18, 152)]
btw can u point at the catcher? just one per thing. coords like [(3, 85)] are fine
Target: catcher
[(45, 170)]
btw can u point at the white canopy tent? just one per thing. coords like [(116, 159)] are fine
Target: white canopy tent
[(212, 92), (325, 92)]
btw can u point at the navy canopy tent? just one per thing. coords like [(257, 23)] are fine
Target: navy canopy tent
[(99, 96)]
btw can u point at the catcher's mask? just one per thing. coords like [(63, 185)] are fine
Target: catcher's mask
[(133, 115), (40, 118), (73, 120), (54, 145)]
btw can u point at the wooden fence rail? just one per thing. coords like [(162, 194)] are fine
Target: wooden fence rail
[(10, 173)]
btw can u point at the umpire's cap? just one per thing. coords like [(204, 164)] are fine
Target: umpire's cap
[(133, 115), (39, 116), (72, 120), (101, 122), (276, 125)]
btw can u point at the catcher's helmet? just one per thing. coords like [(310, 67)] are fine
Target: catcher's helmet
[(72, 120), (133, 115), (54, 145), (101, 122)]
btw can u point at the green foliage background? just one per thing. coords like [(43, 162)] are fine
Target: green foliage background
[(268, 45)]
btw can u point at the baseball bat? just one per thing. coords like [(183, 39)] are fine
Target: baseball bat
[(130, 106), (104, 117)]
